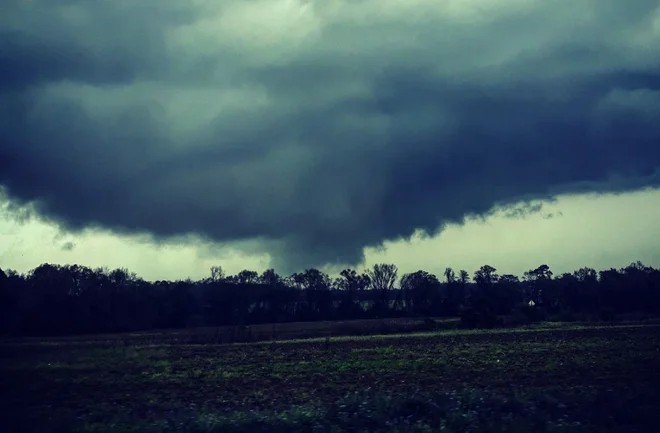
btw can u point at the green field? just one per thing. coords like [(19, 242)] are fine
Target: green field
[(544, 378)]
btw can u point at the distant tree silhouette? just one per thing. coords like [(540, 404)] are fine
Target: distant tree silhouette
[(7, 301), (72, 299), (463, 277), (422, 292), (312, 279), (539, 288), (587, 297), (353, 286), (351, 281), (270, 278), (217, 274), (450, 275), (316, 289), (383, 277), (506, 294), (485, 276), (245, 277)]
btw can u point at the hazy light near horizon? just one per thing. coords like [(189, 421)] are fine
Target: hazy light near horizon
[(599, 231)]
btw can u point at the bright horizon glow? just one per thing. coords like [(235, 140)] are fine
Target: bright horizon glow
[(599, 231)]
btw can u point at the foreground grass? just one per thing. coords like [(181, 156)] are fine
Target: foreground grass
[(577, 378), (254, 333)]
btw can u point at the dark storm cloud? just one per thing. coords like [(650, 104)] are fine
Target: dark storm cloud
[(59, 240), (178, 117), (524, 210)]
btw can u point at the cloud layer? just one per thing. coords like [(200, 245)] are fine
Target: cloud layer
[(320, 127)]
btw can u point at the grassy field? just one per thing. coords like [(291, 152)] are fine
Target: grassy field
[(268, 332), (545, 378)]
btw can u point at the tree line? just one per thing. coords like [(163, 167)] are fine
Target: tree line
[(73, 299)]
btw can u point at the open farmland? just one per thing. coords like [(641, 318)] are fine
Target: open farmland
[(548, 378), (261, 332)]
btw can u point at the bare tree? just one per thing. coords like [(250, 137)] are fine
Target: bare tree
[(383, 277), (217, 273)]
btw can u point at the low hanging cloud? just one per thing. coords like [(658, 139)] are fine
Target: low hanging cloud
[(316, 128), (68, 246)]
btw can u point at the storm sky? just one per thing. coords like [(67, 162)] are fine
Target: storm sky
[(327, 133)]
